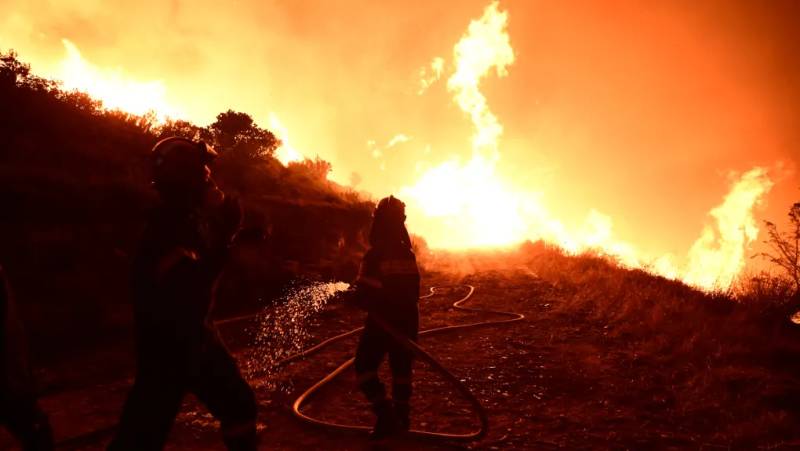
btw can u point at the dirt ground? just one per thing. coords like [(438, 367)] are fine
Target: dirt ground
[(549, 381)]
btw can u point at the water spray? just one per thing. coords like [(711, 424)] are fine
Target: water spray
[(282, 330)]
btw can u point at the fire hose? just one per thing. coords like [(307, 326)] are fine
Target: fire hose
[(420, 353), (306, 396)]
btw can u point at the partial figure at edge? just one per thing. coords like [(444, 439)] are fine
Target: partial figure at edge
[(19, 410)]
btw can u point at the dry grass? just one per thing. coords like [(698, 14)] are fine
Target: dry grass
[(726, 359), (715, 368)]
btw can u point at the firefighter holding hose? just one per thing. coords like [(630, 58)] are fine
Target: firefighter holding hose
[(388, 288), (178, 350)]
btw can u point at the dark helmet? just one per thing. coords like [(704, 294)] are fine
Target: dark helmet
[(388, 224), (390, 208), (180, 162)]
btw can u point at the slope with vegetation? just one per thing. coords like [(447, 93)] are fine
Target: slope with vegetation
[(75, 190)]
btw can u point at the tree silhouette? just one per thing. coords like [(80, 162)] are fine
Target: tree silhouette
[(785, 246), (237, 134), (82, 101), (16, 74), (183, 129)]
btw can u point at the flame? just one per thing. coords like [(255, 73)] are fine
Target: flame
[(469, 198), (719, 254), (465, 206), (286, 153), (111, 86), (485, 46), (459, 206)]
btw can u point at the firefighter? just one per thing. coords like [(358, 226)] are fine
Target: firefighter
[(178, 350), (388, 288), (19, 410)]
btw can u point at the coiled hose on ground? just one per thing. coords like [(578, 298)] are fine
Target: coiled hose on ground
[(306, 396)]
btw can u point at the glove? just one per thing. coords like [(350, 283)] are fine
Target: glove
[(355, 298)]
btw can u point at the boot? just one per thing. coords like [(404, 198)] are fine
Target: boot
[(401, 412), (386, 423), (241, 436), (244, 442)]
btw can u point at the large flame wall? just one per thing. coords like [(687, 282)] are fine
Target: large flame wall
[(656, 133)]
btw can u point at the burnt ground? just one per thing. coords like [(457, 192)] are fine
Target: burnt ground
[(557, 379)]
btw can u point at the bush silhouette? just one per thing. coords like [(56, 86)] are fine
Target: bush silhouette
[(785, 247)]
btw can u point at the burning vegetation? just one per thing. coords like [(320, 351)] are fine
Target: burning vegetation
[(468, 205), (620, 347), (455, 204)]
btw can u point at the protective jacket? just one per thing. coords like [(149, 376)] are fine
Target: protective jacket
[(173, 281), (387, 287), (178, 349), (388, 282)]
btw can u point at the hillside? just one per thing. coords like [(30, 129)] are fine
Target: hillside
[(75, 191)]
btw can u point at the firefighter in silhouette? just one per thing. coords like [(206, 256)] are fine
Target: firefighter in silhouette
[(18, 408), (388, 287), (178, 350)]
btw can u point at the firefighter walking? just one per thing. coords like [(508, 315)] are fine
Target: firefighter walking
[(388, 287), (178, 350)]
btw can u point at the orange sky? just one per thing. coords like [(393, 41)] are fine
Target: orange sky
[(636, 110)]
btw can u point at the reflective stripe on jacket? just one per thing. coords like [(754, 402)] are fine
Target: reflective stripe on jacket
[(388, 279)]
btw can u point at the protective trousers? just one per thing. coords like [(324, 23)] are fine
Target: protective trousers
[(375, 343), (26, 421), (157, 395)]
